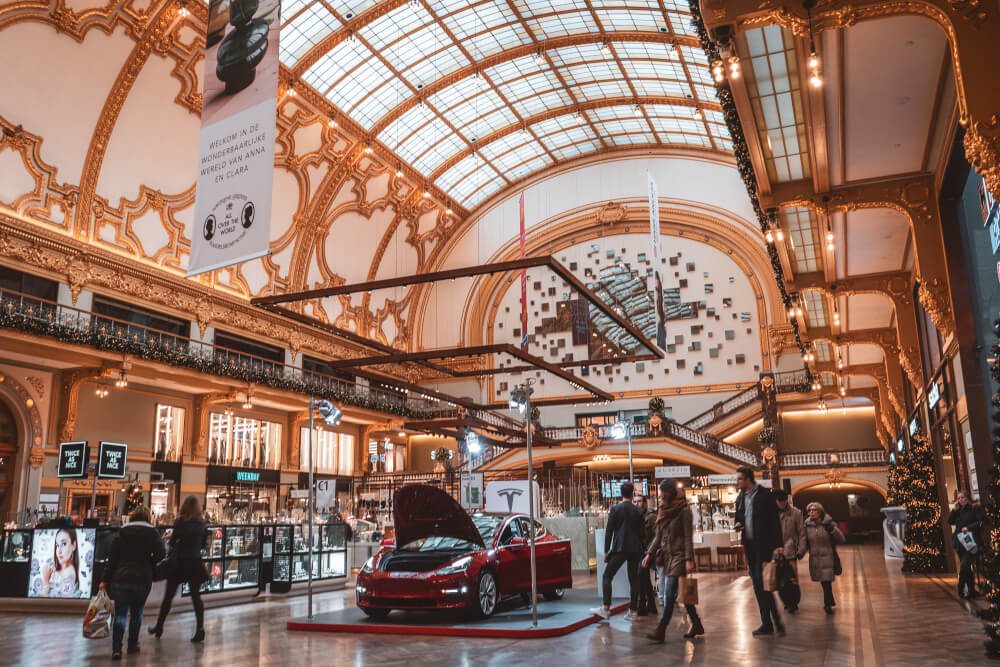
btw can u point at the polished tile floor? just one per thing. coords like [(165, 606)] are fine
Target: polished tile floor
[(883, 618)]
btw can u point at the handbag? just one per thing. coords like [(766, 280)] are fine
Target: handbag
[(788, 584), (770, 576), (100, 614), (166, 568), (689, 591), (838, 567)]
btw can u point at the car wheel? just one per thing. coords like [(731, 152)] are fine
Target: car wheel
[(375, 613), (487, 594), (557, 594)]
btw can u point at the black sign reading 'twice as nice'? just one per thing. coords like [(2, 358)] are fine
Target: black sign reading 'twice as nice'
[(111, 460), (73, 457)]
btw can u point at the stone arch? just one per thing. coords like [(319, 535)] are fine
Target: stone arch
[(819, 481), (29, 443)]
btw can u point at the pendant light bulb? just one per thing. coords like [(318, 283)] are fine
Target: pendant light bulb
[(780, 235), (769, 236)]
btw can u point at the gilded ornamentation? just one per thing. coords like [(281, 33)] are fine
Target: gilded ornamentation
[(589, 438), (24, 403), (769, 455), (973, 11), (982, 148), (36, 384), (611, 213), (77, 275), (934, 299), (655, 422)]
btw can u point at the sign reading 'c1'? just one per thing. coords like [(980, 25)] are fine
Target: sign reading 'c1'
[(111, 459)]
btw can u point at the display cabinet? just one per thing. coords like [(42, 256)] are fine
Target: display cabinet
[(15, 546), (241, 560), (291, 553)]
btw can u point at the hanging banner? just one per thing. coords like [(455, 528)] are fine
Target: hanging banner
[(579, 317), (326, 494), (656, 257), (524, 285), (232, 218)]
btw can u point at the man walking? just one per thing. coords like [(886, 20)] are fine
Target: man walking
[(793, 537), (646, 602), (757, 518), (622, 546), (966, 518)]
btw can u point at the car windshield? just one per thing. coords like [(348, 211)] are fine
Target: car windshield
[(486, 525)]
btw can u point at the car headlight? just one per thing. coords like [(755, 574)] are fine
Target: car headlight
[(369, 566), (456, 566)]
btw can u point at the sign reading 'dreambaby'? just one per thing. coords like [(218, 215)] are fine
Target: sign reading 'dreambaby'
[(236, 156), (111, 458)]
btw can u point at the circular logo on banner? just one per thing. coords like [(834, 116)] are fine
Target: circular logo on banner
[(209, 227), (229, 220)]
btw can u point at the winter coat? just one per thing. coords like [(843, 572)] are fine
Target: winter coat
[(648, 528), (134, 552), (766, 525), (673, 546), (966, 517), (793, 532), (821, 537), (188, 538)]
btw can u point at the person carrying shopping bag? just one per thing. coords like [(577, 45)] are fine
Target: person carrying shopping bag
[(672, 548), (822, 538), (129, 577), (187, 539), (793, 534)]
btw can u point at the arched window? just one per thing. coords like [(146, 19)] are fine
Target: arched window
[(8, 451)]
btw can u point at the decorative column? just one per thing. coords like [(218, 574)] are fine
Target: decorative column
[(770, 432)]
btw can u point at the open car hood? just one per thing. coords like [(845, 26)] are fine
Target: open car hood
[(422, 511)]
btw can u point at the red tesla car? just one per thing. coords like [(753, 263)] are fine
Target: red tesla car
[(445, 559)]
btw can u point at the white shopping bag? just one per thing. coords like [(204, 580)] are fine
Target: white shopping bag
[(100, 615), (968, 541)]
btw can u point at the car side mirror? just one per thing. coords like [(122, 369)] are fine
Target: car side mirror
[(518, 541)]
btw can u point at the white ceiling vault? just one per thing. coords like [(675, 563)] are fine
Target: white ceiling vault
[(476, 96)]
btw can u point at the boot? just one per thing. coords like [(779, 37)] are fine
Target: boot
[(696, 629), (199, 636), (659, 633)]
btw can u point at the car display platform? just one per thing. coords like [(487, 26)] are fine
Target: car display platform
[(512, 619)]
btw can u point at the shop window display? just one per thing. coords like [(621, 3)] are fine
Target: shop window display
[(168, 443), (243, 441), (334, 451), (62, 563)]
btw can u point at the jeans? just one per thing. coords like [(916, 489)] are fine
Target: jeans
[(828, 600), (645, 593), (669, 596), (168, 599), (765, 599), (966, 579), (615, 562), (129, 601)]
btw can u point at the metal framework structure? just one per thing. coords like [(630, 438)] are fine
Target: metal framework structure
[(476, 96)]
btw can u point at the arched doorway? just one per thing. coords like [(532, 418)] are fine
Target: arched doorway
[(8, 457), (854, 506)]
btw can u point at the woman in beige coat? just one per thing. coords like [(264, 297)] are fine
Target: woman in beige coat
[(822, 536), (672, 549)]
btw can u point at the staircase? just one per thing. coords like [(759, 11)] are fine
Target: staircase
[(789, 382)]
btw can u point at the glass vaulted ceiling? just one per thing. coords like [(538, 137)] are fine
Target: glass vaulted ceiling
[(477, 95)]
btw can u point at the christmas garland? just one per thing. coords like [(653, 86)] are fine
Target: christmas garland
[(176, 353), (745, 166)]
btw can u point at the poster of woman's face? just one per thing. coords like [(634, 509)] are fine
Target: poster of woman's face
[(62, 563)]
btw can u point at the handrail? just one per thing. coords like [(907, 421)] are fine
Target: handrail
[(853, 457), (723, 409), (75, 325)]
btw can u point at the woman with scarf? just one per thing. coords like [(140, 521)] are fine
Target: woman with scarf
[(672, 549)]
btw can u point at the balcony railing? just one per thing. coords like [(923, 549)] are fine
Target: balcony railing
[(855, 457), (73, 325)]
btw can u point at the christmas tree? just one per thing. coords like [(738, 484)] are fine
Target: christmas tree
[(896, 496), (133, 499), (990, 559), (924, 547)]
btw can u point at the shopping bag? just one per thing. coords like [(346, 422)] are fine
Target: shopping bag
[(99, 617), (689, 591), (770, 576), (968, 541), (788, 584)]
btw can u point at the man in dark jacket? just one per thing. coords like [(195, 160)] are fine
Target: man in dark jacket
[(622, 546), (129, 576), (966, 518), (757, 518), (646, 597)]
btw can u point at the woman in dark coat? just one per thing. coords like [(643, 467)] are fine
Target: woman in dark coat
[(187, 539), (672, 548), (129, 576), (822, 536)]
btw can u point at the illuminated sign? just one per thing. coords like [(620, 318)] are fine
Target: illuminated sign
[(913, 427), (111, 459), (247, 476), (933, 396), (900, 445), (73, 458)]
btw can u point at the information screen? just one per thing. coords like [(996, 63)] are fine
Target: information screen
[(613, 488), (62, 563), (73, 458)]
